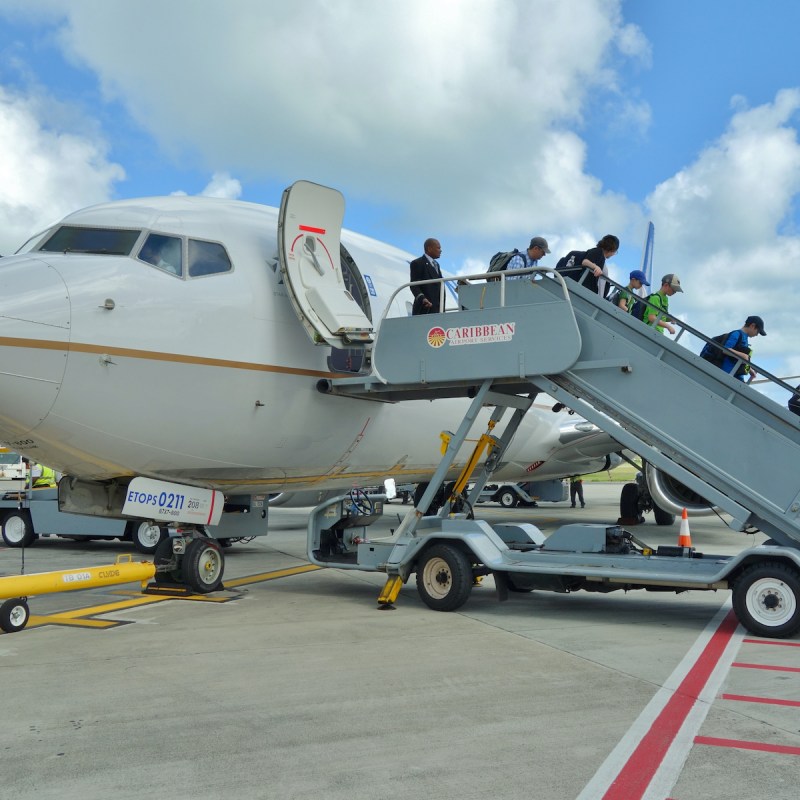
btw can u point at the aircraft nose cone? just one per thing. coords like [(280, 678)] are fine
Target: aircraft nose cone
[(34, 343)]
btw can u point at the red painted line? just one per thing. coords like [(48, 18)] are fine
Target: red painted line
[(638, 772), (327, 253), (742, 745), (311, 230), (773, 701), (771, 641), (773, 667), (211, 510)]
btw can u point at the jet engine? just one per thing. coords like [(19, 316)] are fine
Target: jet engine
[(672, 496)]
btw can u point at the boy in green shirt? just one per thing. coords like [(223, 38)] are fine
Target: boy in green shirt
[(627, 296), (670, 284)]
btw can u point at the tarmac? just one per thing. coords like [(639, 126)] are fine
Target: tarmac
[(291, 684)]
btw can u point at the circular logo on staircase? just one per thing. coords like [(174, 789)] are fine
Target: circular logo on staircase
[(436, 337)]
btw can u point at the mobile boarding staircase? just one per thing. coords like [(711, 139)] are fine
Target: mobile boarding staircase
[(508, 341)]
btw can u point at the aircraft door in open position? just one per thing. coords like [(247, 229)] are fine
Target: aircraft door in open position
[(309, 234)]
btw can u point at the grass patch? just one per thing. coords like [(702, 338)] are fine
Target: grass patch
[(624, 473)]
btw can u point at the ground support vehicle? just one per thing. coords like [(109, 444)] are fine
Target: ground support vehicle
[(26, 514), (655, 397), (510, 495)]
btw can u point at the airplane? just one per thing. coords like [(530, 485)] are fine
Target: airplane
[(169, 353)]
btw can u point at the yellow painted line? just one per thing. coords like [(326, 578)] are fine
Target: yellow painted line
[(84, 617), (270, 576), (36, 621)]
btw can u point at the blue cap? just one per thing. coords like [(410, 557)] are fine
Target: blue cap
[(640, 276)]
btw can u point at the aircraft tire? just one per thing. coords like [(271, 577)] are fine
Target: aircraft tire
[(662, 517), (629, 501), (18, 529), (146, 536), (203, 565), (507, 498), (14, 615), (766, 599), (444, 577)]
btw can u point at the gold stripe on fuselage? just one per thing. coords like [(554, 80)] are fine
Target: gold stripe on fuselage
[(152, 355)]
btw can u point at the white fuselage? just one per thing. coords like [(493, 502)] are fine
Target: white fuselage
[(112, 367)]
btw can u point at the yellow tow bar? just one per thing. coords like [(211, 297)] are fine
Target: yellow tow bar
[(14, 612)]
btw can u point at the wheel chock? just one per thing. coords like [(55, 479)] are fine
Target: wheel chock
[(389, 593), (169, 590)]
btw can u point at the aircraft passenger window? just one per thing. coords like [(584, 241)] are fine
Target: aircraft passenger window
[(103, 241), (164, 252), (207, 258)]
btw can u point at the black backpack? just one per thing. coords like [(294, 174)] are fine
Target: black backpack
[(714, 351), (499, 261), (640, 307), (570, 262), (794, 401)]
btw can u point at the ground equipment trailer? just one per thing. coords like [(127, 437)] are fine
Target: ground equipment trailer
[(510, 495), (509, 340)]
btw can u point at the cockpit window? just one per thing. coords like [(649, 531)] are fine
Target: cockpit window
[(104, 241), (207, 258), (164, 252)]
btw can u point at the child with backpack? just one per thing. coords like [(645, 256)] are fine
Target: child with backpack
[(576, 262), (655, 317), (738, 342), (625, 298)]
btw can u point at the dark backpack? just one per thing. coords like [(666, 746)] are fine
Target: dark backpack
[(570, 262), (714, 351), (499, 261), (794, 402), (640, 307)]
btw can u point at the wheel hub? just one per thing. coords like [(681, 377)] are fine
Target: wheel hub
[(771, 601)]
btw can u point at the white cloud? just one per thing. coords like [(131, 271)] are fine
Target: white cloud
[(45, 172), (453, 106), (632, 42), (720, 225), (223, 185)]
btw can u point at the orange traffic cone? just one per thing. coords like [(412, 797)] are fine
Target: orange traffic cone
[(684, 537)]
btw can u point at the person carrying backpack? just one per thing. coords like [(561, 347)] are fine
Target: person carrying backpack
[(574, 263), (537, 249), (737, 341), (624, 298), (670, 284)]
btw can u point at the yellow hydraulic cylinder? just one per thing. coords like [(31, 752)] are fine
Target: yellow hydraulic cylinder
[(124, 570), (392, 587)]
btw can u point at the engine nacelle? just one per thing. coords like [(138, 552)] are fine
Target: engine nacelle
[(672, 496)]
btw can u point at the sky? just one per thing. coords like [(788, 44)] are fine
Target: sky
[(479, 122)]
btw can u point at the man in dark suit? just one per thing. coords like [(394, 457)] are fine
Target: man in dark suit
[(427, 298)]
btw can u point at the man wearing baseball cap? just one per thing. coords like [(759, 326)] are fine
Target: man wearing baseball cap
[(670, 284), (626, 295), (536, 250), (739, 342)]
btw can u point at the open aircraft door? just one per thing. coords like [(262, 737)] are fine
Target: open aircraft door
[(309, 233)]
